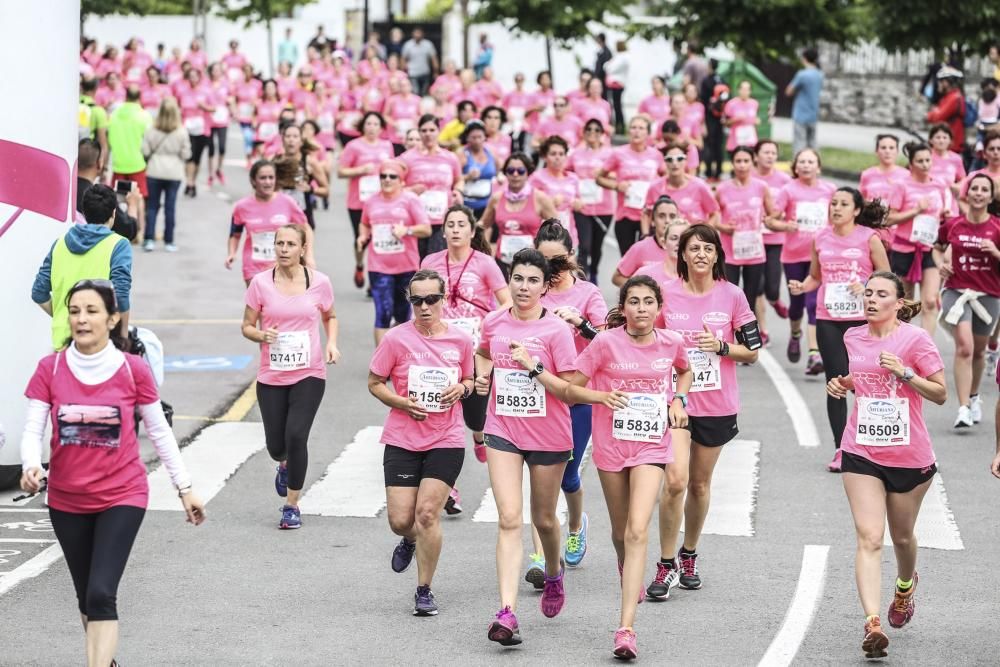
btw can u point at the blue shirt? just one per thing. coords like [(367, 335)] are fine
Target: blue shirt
[(807, 84), (288, 52)]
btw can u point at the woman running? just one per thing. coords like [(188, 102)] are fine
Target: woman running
[(766, 153), (359, 162), (970, 301), (946, 166), (880, 181), (261, 215), (594, 219), (740, 116), (246, 92), (650, 250), (719, 330), (888, 460), (666, 271), (843, 256), (430, 364), (525, 423), (97, 488), (222, 98), (392, 220), (517, 210), (694, 197), (300, 173), (918, 205), (562, 186), (285, 308), (479, 168), (500, 143)]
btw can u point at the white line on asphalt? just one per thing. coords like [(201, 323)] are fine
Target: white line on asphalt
[(354, 484), (8, 501), (30, 568), (795, 406), (215, 455), (734, 490), (936, 527), (800, 612), (5, 510), (24, 540)]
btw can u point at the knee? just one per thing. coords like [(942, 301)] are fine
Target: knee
[(908, 541), (963, 350), (400, 522), (509, 521), (870, 541), (545, 523), (699, 488), (636, 536), (676, 485), (427, 516)]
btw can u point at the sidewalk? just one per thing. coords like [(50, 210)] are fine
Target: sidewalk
[(859, 138)]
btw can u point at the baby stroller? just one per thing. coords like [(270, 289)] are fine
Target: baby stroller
[(146, 344)]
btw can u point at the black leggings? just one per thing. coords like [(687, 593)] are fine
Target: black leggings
[(772, 274), (288, 413), (753, 279), (217, 138), (591, 230), (830, 336), (96, 547), (627, 233)]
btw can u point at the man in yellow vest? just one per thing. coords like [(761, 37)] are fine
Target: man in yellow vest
[(90, 251)]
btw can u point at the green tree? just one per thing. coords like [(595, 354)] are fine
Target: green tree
[(262, 11), (141, 7), (969, 26)]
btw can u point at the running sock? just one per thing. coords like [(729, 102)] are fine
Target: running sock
[(672, 562), (869, 619), (685, 552), (797, 334), (903, 586), (993, 345), (814, 350)]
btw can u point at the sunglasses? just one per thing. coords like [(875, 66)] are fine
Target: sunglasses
[(94, 283), (430, 299), (389, 177), (559, 104), (677, 158), (520, 171)]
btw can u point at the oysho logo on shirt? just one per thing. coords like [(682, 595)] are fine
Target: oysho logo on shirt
[(676, 316), (623, 365), (856, 357), (417, 355), (852, 253)]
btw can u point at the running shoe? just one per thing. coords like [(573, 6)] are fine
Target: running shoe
[(666, 577), (220, 177), (992, 354), (576, 544), (402, 555), (359, 276), (554, 595), (194, 191), (281, 481), (149, 245), (875, 641), (480, 449), (453, 506), (901, 610), (536, 572), (170, 247), (423, 602), (780, 309), (794, 348), (976, 408), (814, 364), (211, 181), (291, 518), (625, 648), (834, 464), (689, 571), (504, 630), (964, 418)]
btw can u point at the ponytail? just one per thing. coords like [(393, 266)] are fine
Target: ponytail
[(479, 242), (872, 213), (908, 311), (553, 230)]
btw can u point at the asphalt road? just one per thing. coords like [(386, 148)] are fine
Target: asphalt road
[(237, 591)]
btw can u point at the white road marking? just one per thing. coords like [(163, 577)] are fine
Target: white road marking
[(734, 490), (795, 406), (936, 527), (215, 455), (6, 510), (30, 568), (24, 540), (808, 592), (353, 484), (7, 500)]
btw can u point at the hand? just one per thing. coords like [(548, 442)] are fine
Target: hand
[(332, 353), (415, 410), (678, 415), (856, 288), (946, 271), (707, 342), (615, 400), (133, 198), (726, 229), (368, 169), (995, 466), (578, 204), (520, 354), (361, 242), (558, 200), (472, 174), (194, 508), (791, 226), (837, 387), (270, 335), (483, 385), (31, 480), (569, 314), (795, 287), (891, 363), (229, 262), (452, 394), (303, 186), (417, 188), (988, 246), (621, 186), (399, 230)]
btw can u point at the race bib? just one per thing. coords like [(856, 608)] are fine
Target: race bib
[(748, 245), (510, 244), (267, 130), (325, 122), (470, 325), (590, 191), (925, 229), (746, 135), (435, 203), (245, 110), (635, 196), (706, 369), (517, 395), (883, 422), (368, 186), (478, 189), (643, 420), (811, 215), (195, 125), (262, 246), (221, 114), (384, 242), (290, 351), (841, 304), (425, 384)]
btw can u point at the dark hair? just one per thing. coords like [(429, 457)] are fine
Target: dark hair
[(471, 127), (811, 55), (88, 154), (107, 293), (910, 149), (493, 107), (544, 72), (554, 140), (762, 143), (676, 145), (479, 241), (99, 204), (744, 149), (263, 85), (311, 123), (670, 127), (880, 137), (644, 119), (993, 208), (585, 70), (531, 257), (301, 231), (426, 274), (990, 137), (871, 213), (361, 123), (663, 200), (465, 104), (657, 77), (88, 85), (522, 158), (910, 309), (132, 94), (429, 118), (591, 122), (616, 316), (707, 234), (819, 160), (938, 127), (257, 166), (553, 230)]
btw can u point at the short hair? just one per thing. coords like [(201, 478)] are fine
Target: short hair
[(426, 274), (88, 85), (811, 55), (88, 154), (99, 204), (132, 94), (466, 105)]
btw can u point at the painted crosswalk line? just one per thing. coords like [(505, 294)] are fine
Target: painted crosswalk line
[(734, 490), (353, 484), (936, 527), (795, 406)]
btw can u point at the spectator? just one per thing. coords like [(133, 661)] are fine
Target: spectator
[(375, 42), (994, 56), (712, 91), (617, 78), (805, 88), (288, 50), (950, 108), (320, 41), (167, 146), (88, 158), (451, 134), (420, 61), (395, 45), (89, 251), (603, 56), (93, 119), (484, 57), (126, 128), (160, 61), (695, 69)]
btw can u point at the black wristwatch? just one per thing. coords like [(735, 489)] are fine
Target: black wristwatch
[(536, 371)]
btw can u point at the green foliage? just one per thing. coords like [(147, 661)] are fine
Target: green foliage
[(259, 11), (563, 22), (140, 7), (936, 24), (435, 9)]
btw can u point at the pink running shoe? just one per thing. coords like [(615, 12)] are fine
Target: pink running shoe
[(902, 608), (219, 177), (480, 449), (453, 505), (553, 594), (834, 464), (780, 309), (504, 630), (210, 181), (625, 648)]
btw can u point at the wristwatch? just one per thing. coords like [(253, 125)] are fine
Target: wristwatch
[(908, 374), (536, 371), (684, 400)]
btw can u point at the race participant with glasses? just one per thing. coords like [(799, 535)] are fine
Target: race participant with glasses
[(562, 186), (561, 123), (694, 198), (888, 460), (650, 250), (594, 219), (525, 424), (261, 215), (803, 210), (430, 363), (843, 256), (97, 489), (285, 308), (766, 153), (970, 302), (392, 221), (630, 171), (917, 207), (719, 330), (359, 162)]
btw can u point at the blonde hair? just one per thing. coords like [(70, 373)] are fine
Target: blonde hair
[(168, 118)]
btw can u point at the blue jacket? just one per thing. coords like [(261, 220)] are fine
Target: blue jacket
[(80, 239)]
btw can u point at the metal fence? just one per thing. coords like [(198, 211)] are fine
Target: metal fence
[(871, 59)]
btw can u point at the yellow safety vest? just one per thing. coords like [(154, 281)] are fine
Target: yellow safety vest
[(67, 270)]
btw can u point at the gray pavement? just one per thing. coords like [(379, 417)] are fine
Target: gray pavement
[(237, 591)]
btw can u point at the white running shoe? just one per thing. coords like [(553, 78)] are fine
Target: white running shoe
[(148, 245), (976, 409), (964, 418)]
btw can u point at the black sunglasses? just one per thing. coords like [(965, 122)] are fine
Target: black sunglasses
[(430, 299), (520, 171), (390, 177), (92, 283)]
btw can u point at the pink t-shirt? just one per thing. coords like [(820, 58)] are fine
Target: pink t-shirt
[(842, 260), (195, 119), (743, 206), (695, 201), (644, 252), (569, 128), (563, 190), (693, 119), (658, 272), (247, 93), (438, 172), (884, 419), (775, 181), (614, 361), (810, 207), (947, 168), (540, 98), (905, 197), (501, 145), (586, 108), (433, 364), (658, 109), (298, 352), (95, 462), (583, 298), (470, 285), (640, 169), (724, 309), (743, 131), (268, 112), (531, 418), (386, 253), (522, 224), (517, 103), (404, 111), (356, 154), (586, 162), (449, 83), (878, 184), (260, 220)]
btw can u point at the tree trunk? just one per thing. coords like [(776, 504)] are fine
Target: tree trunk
[(270, 48), (465, 33), (548, 60)]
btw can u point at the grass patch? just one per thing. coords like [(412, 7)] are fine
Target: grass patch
[(838, 159)]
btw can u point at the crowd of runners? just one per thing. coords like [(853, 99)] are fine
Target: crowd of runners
[(479, 214)]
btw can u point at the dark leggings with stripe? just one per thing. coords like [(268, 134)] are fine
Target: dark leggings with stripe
[(288, 412)]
